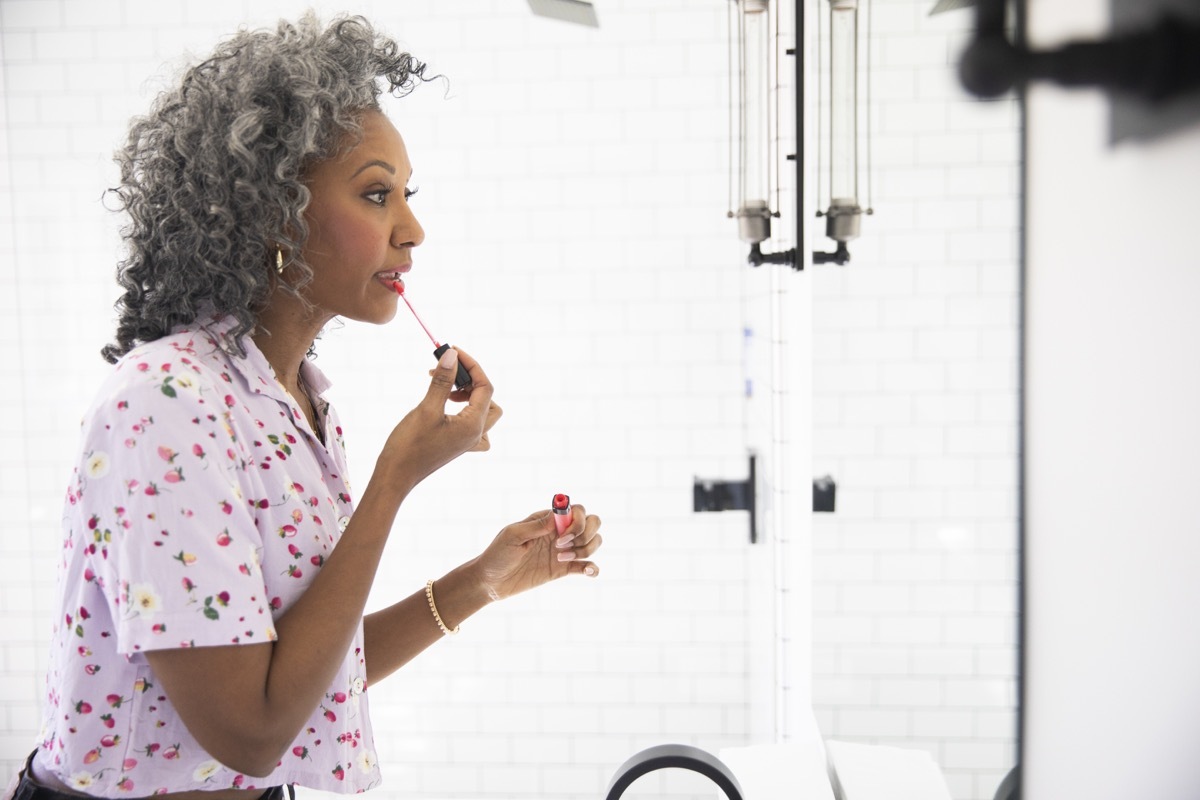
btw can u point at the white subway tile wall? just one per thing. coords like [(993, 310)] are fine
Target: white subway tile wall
[(573, 190), (915, 410)]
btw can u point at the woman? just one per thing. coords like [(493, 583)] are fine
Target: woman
[(216, 567)]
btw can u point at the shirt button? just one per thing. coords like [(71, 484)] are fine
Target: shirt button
[(356, 686), (342, 523)]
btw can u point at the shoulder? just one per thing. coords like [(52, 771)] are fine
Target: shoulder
[(193, 352), (187, 375)]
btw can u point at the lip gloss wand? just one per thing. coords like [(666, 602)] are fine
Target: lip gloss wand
[(463, 379)]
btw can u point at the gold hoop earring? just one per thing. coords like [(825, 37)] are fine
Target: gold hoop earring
[(279, 260)]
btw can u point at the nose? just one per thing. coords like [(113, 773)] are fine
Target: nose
[(407, 231)]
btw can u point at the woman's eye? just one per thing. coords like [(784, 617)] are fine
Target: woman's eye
[(378, 197), (408, 193)]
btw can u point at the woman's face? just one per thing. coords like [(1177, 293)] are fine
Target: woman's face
[(361, 230)]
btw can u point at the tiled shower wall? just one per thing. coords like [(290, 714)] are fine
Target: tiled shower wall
[(915, 415), (573, 190)]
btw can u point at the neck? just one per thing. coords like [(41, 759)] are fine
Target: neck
[(286, 330)]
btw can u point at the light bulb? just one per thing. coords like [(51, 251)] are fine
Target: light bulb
[(844, 214), (754, 216), (843, 102)]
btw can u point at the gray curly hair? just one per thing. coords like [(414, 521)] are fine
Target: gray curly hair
[(212, 177)]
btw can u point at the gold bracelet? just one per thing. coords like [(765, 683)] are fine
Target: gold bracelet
[(436, 616)]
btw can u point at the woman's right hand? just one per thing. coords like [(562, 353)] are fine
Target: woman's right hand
[(428, 438)]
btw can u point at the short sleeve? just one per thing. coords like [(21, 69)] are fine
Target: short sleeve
[(163, 505)]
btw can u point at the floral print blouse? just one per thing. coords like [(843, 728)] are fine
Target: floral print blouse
[(201, 507)]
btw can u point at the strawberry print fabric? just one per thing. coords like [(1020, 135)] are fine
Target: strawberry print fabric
[(201, 507)]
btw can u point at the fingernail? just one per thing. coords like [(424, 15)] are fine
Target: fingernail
[(589, 570), (448, 360), (565, 541), (567, 556)]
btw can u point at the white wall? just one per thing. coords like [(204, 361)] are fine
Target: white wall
[(591, 165), (573, 191), (914, 374), (1112, 537)]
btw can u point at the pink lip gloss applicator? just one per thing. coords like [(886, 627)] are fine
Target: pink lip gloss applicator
[(463, 379)]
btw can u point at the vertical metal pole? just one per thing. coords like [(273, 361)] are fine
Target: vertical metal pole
[(1021, 20), (798, 55)]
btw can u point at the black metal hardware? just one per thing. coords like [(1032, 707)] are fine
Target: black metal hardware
[(729, 496), (757, 258), (680, 756), (824, 494), (1154, 64), (841, 256)]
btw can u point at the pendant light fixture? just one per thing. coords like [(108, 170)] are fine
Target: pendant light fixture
[(754, 120)]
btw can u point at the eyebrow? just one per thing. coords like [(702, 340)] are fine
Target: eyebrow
[(375, 163)]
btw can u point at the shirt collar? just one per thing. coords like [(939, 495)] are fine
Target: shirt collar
[(313, 378), (254, 367)]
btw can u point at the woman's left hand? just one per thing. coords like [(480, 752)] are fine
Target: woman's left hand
[(526, 554)]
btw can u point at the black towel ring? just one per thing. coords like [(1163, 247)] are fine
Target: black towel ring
[(681, 756)]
